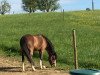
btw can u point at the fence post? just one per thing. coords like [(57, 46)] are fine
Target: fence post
[(75, 49), (63, 14)]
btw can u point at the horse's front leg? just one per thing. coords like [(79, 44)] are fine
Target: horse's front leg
[(32, 63), (41, 58)]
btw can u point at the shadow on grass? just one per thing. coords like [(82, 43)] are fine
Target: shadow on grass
[(10, 50)]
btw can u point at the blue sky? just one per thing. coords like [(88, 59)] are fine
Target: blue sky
[(67, 5), (78, 4)]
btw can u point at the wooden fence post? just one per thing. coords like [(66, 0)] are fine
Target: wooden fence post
[(63, 14), (75, 49)]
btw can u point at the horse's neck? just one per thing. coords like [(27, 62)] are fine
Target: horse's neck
[(50, 51)]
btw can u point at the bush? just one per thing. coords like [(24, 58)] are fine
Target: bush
[(88, 9)]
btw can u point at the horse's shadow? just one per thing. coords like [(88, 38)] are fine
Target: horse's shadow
[(10, 69), (18, 69)]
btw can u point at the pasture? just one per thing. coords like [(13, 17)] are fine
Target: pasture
[(59, 31)]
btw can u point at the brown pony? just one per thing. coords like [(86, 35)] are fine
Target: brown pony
[(30, 43)]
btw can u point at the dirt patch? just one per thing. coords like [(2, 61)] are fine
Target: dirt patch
[(13, 67)]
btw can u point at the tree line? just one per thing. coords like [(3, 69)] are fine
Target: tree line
[(42, 5), (32, 5), (4, 7)]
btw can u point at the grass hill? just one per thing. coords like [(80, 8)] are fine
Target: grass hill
[(59, 31)]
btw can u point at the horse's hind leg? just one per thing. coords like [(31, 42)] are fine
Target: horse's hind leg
[(23, 65), (32, 63)]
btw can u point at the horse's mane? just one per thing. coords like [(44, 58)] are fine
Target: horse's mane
[(50, 45)]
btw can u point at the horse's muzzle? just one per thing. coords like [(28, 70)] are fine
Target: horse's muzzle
[(54, 64)]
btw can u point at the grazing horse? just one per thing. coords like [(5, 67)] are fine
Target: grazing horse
[(30, 43)]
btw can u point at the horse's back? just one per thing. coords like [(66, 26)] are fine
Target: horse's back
[(34, 42), (39, 42)]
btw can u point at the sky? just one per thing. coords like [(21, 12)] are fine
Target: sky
[(70, 5), (67, 5)]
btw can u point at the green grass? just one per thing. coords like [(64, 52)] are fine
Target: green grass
[(86, 23)]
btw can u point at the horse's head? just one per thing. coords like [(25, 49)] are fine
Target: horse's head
[(52, 59)]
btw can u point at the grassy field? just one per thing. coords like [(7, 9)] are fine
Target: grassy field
[(59, 31)]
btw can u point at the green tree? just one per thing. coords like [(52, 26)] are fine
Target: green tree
[(4, 7), (29, 5), (48, 5)]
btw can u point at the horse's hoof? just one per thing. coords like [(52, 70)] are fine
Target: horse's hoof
[(23, 70), (41, 68), (44, 67), (34, 69)]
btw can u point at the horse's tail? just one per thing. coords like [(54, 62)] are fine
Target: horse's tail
[(25, 50)]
